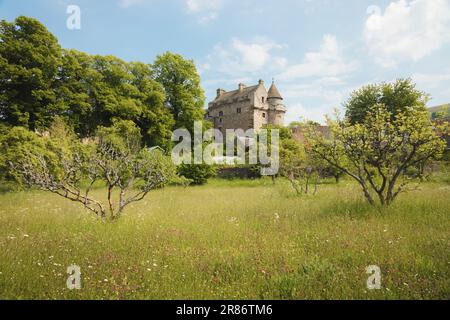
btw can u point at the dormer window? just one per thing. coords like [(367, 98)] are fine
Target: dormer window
[(239, 110), (264, 115)]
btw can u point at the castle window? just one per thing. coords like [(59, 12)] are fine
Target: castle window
[(239, 110), (221, 114), (220, 120), (264, 114), (262, 99)]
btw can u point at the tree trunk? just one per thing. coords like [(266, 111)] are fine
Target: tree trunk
[(337, 177), (111, 206)]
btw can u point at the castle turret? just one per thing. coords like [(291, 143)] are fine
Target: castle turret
[(277, 110)]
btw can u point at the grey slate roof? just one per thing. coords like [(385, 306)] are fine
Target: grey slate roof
[(236, 94), (274, 93)]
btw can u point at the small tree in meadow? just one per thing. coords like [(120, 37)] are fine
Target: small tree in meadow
[(62, 164), (377, 151), (298, 165)]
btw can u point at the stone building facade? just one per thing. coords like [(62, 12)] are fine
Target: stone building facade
[(247, 108)]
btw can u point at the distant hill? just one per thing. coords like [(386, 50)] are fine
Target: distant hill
[(444, 108)]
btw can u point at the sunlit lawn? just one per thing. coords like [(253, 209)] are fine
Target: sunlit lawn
[(231, 240)]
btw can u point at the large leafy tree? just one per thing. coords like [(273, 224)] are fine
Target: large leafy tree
[(39, 81), (181, 81), (156, 120), (100, 90), (75, 89), (395, 96), (29, 60)]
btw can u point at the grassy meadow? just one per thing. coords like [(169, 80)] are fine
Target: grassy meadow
[(229, 240)]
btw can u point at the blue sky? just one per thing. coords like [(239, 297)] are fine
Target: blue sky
[(318, 51)]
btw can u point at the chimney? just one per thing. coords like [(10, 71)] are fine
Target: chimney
[(261, 82), (241, 87), (220, 92)]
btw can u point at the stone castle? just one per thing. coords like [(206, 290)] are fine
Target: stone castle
[(247, 108)]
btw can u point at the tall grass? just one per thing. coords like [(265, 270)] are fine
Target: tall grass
[(229, 240)]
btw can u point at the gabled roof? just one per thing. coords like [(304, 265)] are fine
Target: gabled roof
[(274, 93), (231, 95)]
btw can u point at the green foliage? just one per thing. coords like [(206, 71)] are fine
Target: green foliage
[(299, 165), (184, 95), (39, 81), (60, 163), (440, 112), (30, 57), (101, 90), (197, 173), (396, 97), (380, 150)]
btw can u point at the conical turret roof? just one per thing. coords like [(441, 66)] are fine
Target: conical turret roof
[(274, 93)]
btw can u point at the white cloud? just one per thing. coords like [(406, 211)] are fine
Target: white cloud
[(327, 62), (205, 10), (407, 30), (239, 57)]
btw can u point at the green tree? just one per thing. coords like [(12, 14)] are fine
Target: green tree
[(395, 96), (378, 151), (100, 90), (197, 174), (29, 60), (61, 164), (298, 164), (156, 121), (75, 89), (184, 96)]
